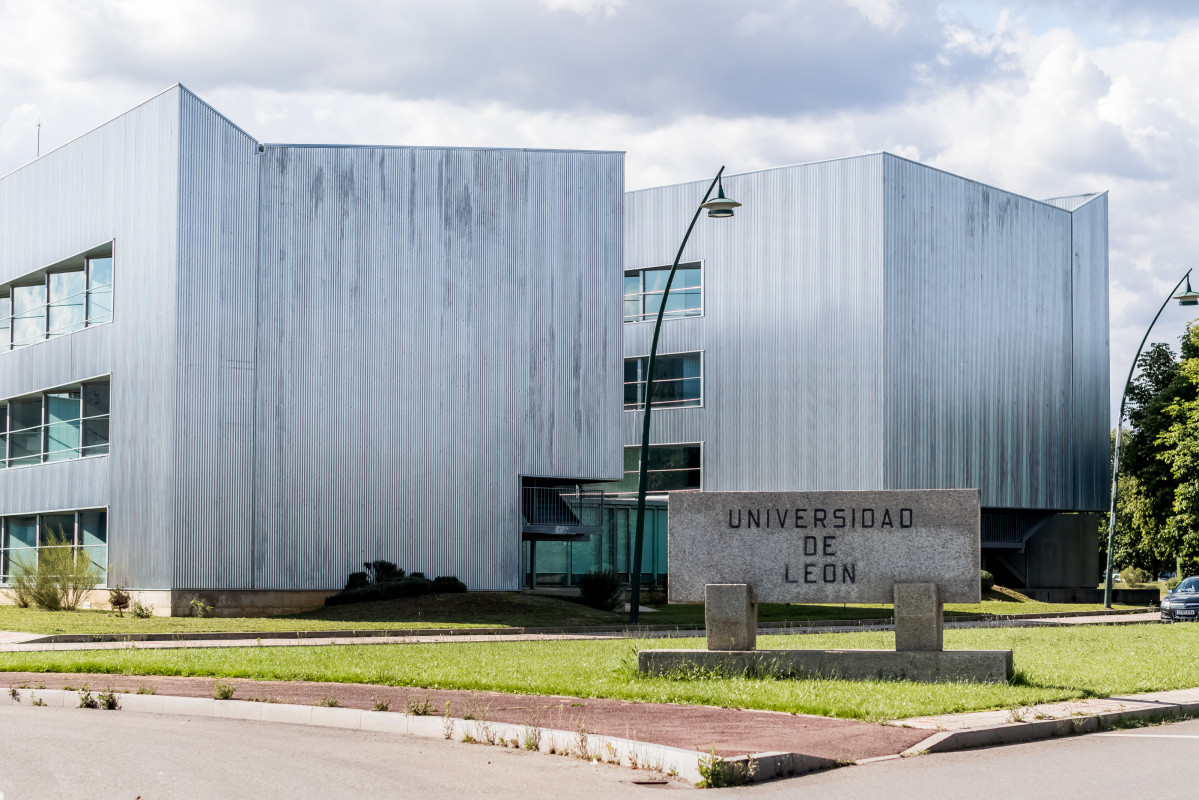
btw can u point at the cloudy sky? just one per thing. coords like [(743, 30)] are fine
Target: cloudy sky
[(1042, 98)]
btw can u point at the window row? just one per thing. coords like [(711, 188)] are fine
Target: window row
[(678, 381), (24, 538), (672, 468), (56, 301), (644, 288), (55, 425)]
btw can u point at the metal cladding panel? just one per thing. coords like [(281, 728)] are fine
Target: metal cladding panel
[(792, 326), (119, 184), (432, 324), (978, 341), (1092, 412), (214, 371)]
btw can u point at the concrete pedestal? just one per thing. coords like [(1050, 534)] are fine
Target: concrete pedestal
[(730, 616)]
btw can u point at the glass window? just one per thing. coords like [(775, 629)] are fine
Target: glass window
[(643, 290), (25, 432), (678, 381), (95, 419), (5, 320), (62, 424), (58, 300), (23, 538), (99, 290), (672, 467), (29, 314), (67, 291)]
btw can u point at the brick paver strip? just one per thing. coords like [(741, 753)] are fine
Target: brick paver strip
[(732, 732)]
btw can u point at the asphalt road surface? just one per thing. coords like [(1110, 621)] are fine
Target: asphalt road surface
[(68, 753)]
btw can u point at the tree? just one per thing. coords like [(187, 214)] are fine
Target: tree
[(1179, 540)]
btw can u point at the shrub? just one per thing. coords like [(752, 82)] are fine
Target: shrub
[(118, 599), (1134, 576), (357, 580), (142, 611), (601, 590), (383, 571), (199, 608), (988, 581), (448, 584), (60, 578), (223, 690), (1172, 583), (390, 590)]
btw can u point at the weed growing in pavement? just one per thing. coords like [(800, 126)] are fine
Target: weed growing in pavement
[(14, 694), (34, 700), (447, 722), (329, 702), (109, 701), (381, 705), (422, 709), (223, 690), (147, 690), (716, 773), (532, 739), (85, 698)]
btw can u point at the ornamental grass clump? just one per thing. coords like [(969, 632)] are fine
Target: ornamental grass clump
[(601, 590), (57, 579)]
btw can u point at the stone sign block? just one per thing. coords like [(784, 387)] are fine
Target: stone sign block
[(825, 547), (919, 618), (730, 616)]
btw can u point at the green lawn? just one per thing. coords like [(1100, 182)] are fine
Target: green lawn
[(474, 609), (1052, 663)]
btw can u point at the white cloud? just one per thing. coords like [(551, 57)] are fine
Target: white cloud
[(1041, 99)]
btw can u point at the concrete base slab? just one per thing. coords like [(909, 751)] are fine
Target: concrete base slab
[(979, 666)]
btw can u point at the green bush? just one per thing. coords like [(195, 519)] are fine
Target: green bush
[(1133, 576), (142, 611), (988, 581), (1172, 583), (448, 584), (381, 571), (601, 590), (118, 599), (59, 580), (357, 580)]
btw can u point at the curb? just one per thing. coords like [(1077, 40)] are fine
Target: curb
[(671, 761), (1037, 730), (770, 627)]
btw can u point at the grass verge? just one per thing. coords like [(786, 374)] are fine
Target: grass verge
[(475, 609), (1053, 663)]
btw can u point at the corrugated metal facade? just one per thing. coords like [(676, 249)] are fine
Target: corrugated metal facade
[(117, 184), (322, 355), (433, 325), (873, 323)]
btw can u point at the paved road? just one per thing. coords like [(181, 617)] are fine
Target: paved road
[(94, 755), (1147, 761), (65, 753)]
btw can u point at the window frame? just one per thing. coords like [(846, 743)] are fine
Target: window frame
[(653, 316), (37, 535), (703, 368), (44, 423), (78, 263)]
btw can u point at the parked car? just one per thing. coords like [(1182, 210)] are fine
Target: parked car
[(1182, 604)]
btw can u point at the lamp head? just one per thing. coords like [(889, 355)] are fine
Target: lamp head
[(720, 206), (1188, 298)]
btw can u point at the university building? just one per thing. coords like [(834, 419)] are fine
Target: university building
[(872, 323), (238, 370)]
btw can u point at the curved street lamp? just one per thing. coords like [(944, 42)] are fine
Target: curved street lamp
[(719, 207), (1189, 297)]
